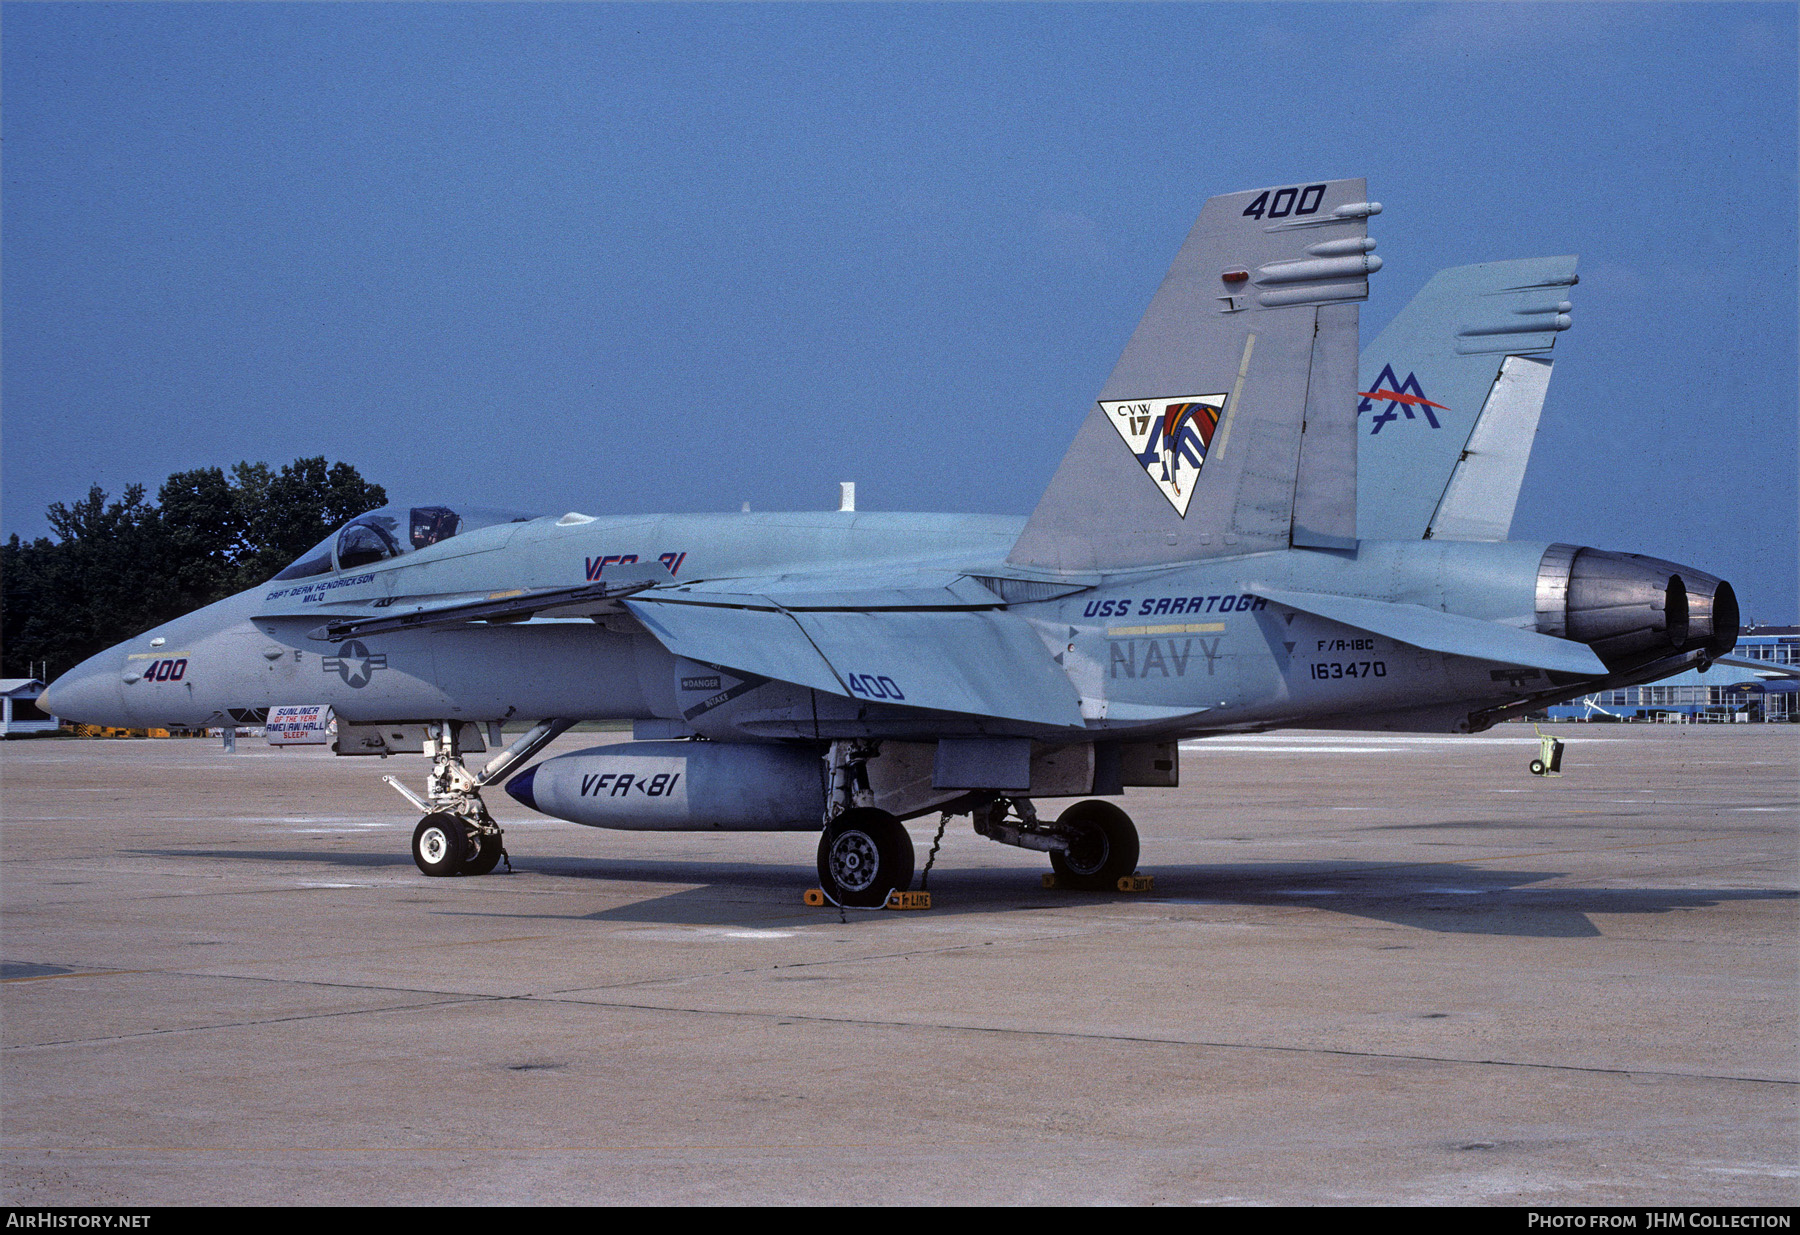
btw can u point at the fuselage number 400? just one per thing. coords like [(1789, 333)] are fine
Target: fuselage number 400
[(166, 671), (1286, 201), (872, 687)]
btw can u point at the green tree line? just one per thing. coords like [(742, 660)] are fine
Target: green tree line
[(117, 567)]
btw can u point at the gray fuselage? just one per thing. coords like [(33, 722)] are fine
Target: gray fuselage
[(1170, 649)]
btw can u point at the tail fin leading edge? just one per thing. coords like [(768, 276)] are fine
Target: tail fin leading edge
[(1195, 448)]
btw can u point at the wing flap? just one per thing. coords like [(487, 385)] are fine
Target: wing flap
[(1451, 633), (960, 592)]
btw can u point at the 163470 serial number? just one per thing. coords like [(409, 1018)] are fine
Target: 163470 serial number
[(1329, 669)]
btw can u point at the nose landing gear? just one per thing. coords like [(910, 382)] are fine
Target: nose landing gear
[(447, 844), (457, 836)]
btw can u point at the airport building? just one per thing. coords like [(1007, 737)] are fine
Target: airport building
[(1722, 693), (19, 711)]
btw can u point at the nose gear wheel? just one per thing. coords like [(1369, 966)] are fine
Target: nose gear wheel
[(440, 844)]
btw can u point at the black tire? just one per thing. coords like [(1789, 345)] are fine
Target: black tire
[(865, 854), (440, 844), (482, 852), (1106, 851), (1537, 767)]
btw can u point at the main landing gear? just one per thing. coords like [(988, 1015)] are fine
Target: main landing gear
[(1103, 848), (865, 852), (457, 836), (1092, 845)]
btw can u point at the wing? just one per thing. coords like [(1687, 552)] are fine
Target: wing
[(1443, 455), (950, 652), (1195, 448)]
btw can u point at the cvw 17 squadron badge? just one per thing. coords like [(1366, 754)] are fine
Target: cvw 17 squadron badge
[(1170, 438)]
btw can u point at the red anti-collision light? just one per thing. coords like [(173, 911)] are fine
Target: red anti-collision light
[(1235, 276)]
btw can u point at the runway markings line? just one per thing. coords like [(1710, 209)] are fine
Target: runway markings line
[(1149, 1040), (952, 1027), (81, 973), (440, 1001), (465, 1149)]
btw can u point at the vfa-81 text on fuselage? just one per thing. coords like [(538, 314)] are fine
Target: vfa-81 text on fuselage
[(1194, 567)]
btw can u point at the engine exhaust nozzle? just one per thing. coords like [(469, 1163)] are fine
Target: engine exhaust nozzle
[(1633, 610)]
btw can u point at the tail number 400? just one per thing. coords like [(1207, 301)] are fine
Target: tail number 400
[(1286, 201)]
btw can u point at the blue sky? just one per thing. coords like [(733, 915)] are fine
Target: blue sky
[(621, 258)]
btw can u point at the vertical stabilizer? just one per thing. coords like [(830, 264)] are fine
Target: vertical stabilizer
[(1448, 404), (1195, 447)]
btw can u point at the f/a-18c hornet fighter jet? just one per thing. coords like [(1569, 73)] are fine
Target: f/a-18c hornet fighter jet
[(1194, 567)]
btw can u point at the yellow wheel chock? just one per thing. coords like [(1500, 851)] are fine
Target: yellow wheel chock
[(1127, 883), (896, 899)]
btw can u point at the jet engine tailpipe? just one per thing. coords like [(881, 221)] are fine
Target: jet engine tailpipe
[(1633, 610)]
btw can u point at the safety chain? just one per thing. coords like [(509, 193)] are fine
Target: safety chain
[(925, 876)]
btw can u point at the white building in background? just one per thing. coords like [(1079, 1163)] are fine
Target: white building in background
[(1722, 693), (19, 712)]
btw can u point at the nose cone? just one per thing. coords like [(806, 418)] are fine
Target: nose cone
[(92, 693), (520, 788)]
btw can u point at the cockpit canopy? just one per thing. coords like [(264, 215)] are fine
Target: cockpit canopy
[(392, 531)]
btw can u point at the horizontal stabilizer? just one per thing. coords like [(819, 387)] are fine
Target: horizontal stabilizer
[(1764, 668), (1451, 633), (977, 662)]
